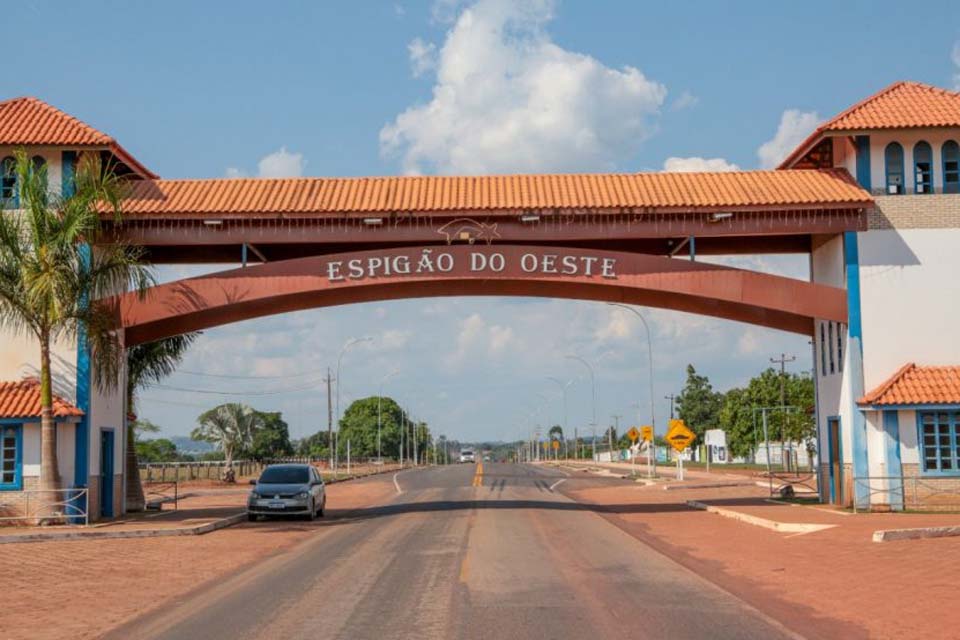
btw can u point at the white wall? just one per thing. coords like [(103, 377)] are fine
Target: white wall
[(910, 299), (65, 457)]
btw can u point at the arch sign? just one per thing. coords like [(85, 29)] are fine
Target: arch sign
[(472, 270)]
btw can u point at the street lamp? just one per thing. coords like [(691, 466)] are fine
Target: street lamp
[(346, 345), (653, 419), (563, 389), (593, 387), (379, 413)]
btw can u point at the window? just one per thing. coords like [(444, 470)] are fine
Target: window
[(8, 181), (824, 347), (841, 330), (830, 347), (11, 477), (922, 168), (940, 435), (951, 167), (893, 156)]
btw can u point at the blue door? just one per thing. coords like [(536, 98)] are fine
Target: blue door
[(106, 473)]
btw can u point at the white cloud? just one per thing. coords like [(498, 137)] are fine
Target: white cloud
[(955, 56), (795, 125), (281, 164), (423, 56), (478, 338), (394, 339), (695, 163), (508, 99), (685, 100)]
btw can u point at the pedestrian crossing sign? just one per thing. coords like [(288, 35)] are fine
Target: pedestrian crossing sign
[(633, 434)]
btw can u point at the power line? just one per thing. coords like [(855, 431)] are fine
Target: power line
[(307, 374)]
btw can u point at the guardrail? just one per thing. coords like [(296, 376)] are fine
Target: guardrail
[(207, 470), (910, 492), (56, 505)]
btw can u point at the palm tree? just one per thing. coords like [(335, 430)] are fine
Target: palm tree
[(231, 427), (146, 363), (54, 287)]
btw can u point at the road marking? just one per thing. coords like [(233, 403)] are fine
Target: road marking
[(554, 485), (478, 477), (397, 484)]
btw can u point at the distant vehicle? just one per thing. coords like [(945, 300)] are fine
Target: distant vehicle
[(287, 489), (486, 458), (467, 455)]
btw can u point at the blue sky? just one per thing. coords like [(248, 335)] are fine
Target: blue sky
[(358, 88)]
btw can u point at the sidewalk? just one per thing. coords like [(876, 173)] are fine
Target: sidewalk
[(837, 577), (81, 588)]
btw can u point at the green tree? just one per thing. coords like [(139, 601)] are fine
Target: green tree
[(741, 419), (359, 427), (53, 287), (271, 439), (158, 450), (698, 405), (147, 363), (231, 427)]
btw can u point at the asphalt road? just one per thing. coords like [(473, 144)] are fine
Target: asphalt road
[(510, 558)]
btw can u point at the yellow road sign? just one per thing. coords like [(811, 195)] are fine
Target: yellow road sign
[(633, 434), (679, 435), (556, 445), (647, 433)]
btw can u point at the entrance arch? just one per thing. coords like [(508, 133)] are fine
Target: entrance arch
[(478, 270)]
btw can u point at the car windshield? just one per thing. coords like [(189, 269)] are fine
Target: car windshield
[(285, 475)]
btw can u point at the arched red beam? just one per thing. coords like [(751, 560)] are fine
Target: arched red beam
[(656, 281)]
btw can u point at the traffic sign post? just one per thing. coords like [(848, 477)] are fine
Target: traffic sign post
[(634, 435), (646, 432), (556, 448), (680, 437)]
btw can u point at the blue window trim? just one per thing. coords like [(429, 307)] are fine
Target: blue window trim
[(834, 499), (953, 187), (17, 484), (924, 145), (953, 422), (886, 168)]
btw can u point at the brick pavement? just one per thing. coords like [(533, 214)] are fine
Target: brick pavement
[(828, 584), (80, 589)]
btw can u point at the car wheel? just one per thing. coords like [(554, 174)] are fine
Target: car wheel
[(322, 507), (313, 512)]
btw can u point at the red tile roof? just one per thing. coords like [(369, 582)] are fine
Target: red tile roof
[(743, 190), (902, 105), (30, 121), (22, 400), (917, 385)]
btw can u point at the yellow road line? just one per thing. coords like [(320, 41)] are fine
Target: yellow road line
[(478, 477)]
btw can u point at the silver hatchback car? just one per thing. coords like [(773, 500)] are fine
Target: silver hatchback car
[(287, 489)]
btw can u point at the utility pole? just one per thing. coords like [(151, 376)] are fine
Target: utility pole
[(329, 381), (783, 360), (671, 398)]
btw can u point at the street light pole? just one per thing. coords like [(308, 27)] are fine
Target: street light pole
[(379, 412), (593, 387), (346, 345), (563, 389)]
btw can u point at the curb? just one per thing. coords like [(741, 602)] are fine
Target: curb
[(198, 530), (888, 535), (773, 525), (706, 485)]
